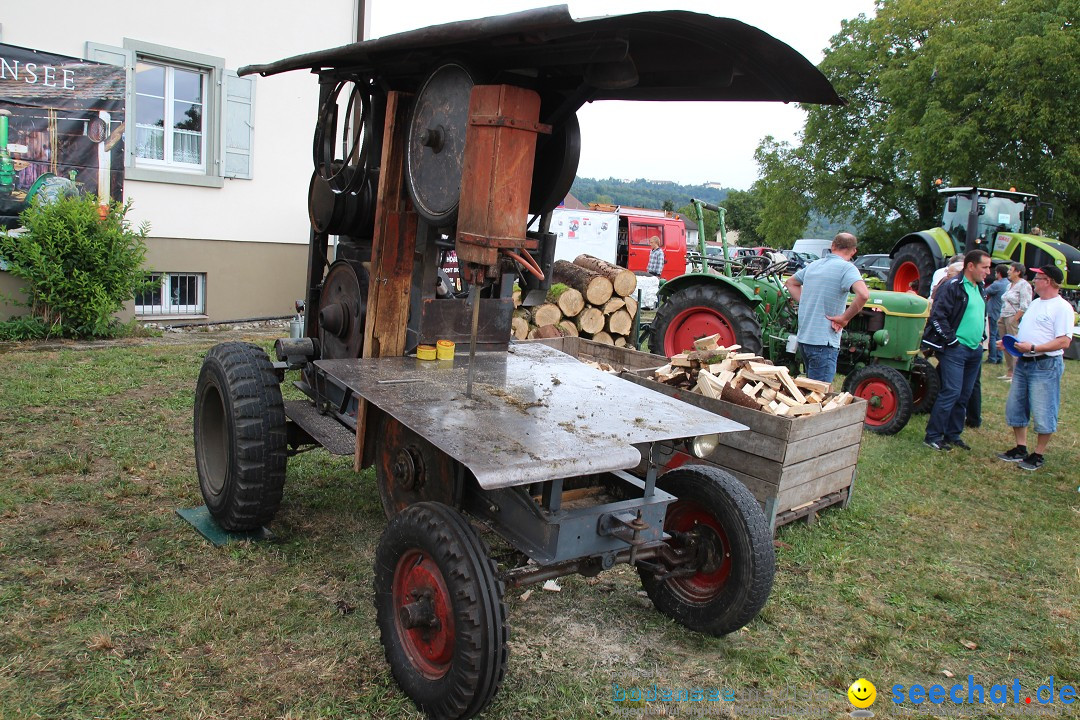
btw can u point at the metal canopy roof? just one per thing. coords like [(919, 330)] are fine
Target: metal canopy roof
[(666, 55)]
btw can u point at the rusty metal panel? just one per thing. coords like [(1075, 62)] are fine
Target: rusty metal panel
[(536, 414)]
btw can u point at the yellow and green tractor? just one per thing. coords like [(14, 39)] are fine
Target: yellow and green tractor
[(1001, 222)]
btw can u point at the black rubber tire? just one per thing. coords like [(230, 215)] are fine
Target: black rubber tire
[(480, 632), (240, 438), (888, 417), (742, 594), (722, 302), (925, 385), (922, 258)]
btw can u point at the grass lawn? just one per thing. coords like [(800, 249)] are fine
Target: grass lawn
[(111, 606)]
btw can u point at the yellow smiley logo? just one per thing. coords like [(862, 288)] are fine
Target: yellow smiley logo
[(862, 693)]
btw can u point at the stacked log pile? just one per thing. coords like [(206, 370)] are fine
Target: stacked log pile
[(748, 380), (590, 298)]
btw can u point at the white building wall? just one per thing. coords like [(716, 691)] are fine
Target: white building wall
[(271, 207)]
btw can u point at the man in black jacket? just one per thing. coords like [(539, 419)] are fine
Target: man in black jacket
[(955, 332)]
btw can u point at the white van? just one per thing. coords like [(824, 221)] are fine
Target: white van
[(821, 248)]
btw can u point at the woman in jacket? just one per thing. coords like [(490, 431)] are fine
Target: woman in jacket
[(1014, 302)]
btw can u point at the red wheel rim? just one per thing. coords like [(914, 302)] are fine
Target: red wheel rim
[(905, 275), (430, 649), (693, 324), (684, 516), (880, 399)]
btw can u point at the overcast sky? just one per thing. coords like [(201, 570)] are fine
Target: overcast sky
[(688, 143)]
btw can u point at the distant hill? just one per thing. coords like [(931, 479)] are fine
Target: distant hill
[(643, 193)]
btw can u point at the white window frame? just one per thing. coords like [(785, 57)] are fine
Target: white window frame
[(213, 69), (167, 308), (169, 129)]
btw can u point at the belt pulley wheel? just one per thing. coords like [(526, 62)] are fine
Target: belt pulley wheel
[(342, 307), (436, 143)]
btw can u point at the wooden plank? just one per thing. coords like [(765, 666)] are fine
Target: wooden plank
[(392, 253), (808, 470), (810, 427), (795, 495), (811, 447)]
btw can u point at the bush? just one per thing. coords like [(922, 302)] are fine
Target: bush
[(79, 267), (25, 327)]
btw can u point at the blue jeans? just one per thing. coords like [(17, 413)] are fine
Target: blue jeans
[(1035, 392), (995, 355), (819, 361), (958, 366)]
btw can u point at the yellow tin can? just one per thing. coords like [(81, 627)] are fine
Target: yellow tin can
[(445, 349), (425, 352)]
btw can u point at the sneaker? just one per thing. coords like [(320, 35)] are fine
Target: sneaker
[(1017, 454), (939, 445), (1004, 377), (1034, 461), (959, 443)]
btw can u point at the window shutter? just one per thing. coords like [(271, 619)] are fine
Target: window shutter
[(239, 126), (124, 58)]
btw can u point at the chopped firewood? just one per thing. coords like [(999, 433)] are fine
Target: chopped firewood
[(806, 409), (705, 386), (769, 394), (790, 385), (707, 343), (747, 356), (815, 396), (681, 360), (812, 385)]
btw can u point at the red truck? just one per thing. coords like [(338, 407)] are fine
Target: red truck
[(621, 235)]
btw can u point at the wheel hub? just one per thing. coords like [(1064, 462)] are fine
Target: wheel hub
[(408, 469), (881, 403), (424, 617), (694, 324), (692, 526)]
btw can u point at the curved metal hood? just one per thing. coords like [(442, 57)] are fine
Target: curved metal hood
[(665, 55)]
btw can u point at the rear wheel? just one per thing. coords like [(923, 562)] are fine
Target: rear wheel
[(702, 310), (240, 450), (925, 385), (720, 522), (913, 262), (442, 621), (888, 397)]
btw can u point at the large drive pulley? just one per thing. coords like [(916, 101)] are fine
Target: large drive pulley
[(436, 143), (342, 307)]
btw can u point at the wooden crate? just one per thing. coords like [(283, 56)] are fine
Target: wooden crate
[(793, 466)]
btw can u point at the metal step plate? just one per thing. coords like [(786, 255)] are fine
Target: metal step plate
[(327, 431)]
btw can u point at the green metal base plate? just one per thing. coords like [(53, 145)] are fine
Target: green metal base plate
[(202, 521)]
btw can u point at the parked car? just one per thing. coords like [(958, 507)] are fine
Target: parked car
[(798, 260), (874, 265)]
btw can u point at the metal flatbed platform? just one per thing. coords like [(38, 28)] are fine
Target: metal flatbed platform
[(536, 413)]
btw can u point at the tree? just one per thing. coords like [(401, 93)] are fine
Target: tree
[(744, 209), (983, 92), (782, 189)]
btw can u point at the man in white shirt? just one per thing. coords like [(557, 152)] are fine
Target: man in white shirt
[(1045, 331), (942, 271)]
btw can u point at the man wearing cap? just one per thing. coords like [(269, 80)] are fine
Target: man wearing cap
[(955, 332), (1045, 331)]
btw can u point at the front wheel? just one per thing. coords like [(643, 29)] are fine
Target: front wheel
[(442, 621), (702, 310), (240, 439), (888, 397), (913, 262), (721, 524)]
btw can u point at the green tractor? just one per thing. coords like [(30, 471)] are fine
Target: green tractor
[(748, 305), (1001, 222)]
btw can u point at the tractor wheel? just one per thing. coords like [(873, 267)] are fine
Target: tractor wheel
[(721, 523), (925, 385), (442, 621), (913, 261), (240, 436), (888, 396), (702, 310)]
